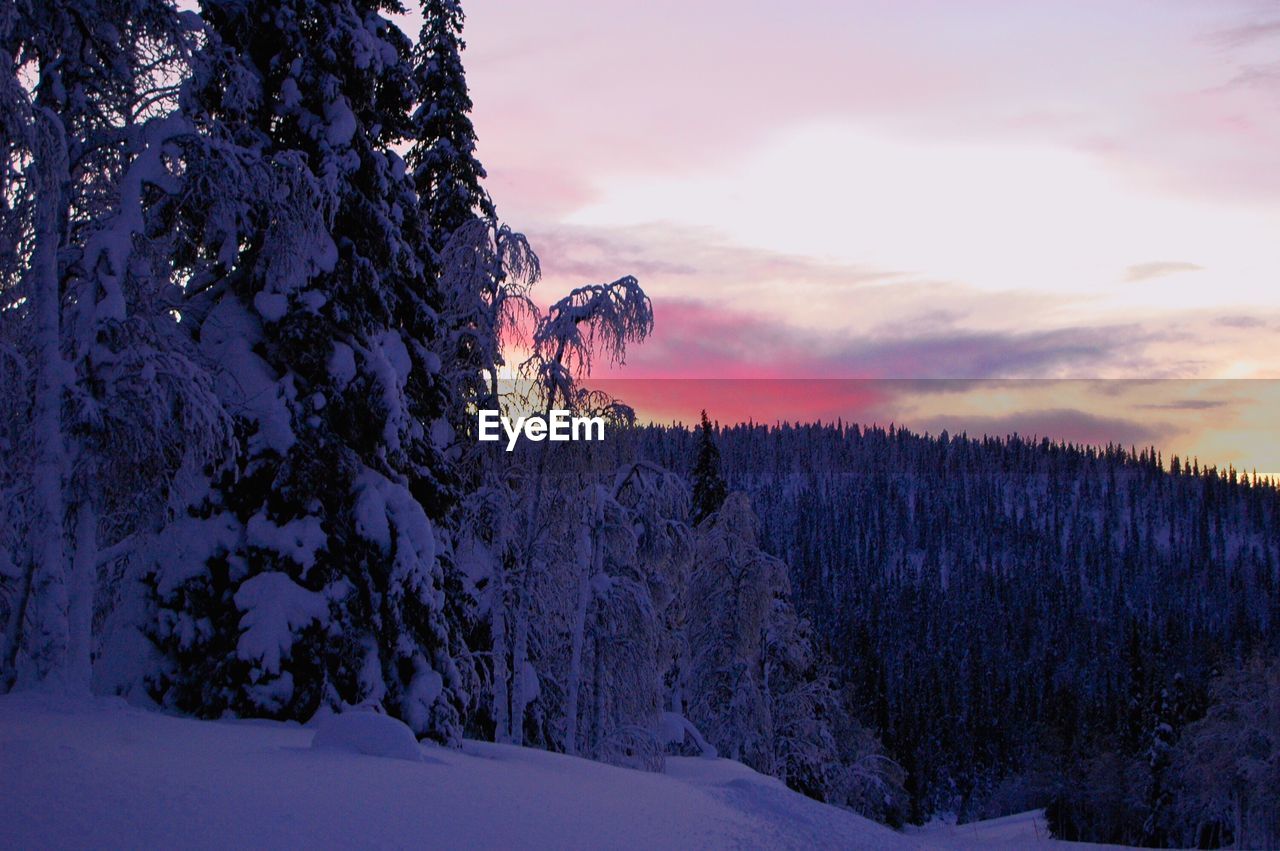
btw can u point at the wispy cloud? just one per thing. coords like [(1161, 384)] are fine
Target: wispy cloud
[(1241, 322), (696, 339), (1185, 405), (997, 192), (1247, 34), (686, 256), (1158, 269)]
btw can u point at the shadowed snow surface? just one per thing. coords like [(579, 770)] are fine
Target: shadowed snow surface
[(1011, 833), (368, 733), (106, 775)]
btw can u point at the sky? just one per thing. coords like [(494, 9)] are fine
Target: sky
[(910, 189)]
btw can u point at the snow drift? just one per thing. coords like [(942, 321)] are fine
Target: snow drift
[(368, 733), (105, 775)]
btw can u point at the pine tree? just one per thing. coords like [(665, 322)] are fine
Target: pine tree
[(445, 168), (1168, 717), (485, 268), (318, 577), (1163, 737), (709, 488)]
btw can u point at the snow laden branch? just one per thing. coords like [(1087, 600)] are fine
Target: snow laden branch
[(593, 321), (486, 273)]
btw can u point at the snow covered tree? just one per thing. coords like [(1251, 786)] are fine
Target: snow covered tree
[(486, 272), (731, 595), (118, 399), (802, 705), (709, 489), (1168, 717), (310, 574), (486, 269), (44, 595), (1226, 767), (658, 502), (443, 157), (595, 320), (631, 568)]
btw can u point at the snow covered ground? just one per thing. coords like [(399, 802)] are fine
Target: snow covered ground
[(106, 775), (1011, 833)]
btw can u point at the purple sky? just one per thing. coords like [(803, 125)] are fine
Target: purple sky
[(901, 188)]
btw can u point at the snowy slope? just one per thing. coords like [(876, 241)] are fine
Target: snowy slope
[(1011, 833), (105, 775), (110, 776)]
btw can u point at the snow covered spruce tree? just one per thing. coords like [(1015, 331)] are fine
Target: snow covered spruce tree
[(443, 157), (310, 575), (118, 401), (486, 269), (1225, 770)]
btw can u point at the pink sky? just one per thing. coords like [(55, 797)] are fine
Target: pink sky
[(891, 172), (900, 188)]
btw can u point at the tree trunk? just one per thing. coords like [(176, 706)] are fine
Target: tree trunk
[(575, 652), (48, 646), (519, 664), (599, 731), (501, 668), (13, 630), (78, 670)]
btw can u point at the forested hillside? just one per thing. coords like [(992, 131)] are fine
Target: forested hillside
[(1019, 619)]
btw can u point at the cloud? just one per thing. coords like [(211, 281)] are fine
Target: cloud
[(1265, 77), (681, 254), (1158, 269), (1186, 405), (1241, 322), (1247, 34), (977, 354), (696, 339)]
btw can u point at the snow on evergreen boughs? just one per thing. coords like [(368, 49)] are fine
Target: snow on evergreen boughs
[(1225, 770), (325, 329), (275, 609), (445, 169)]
